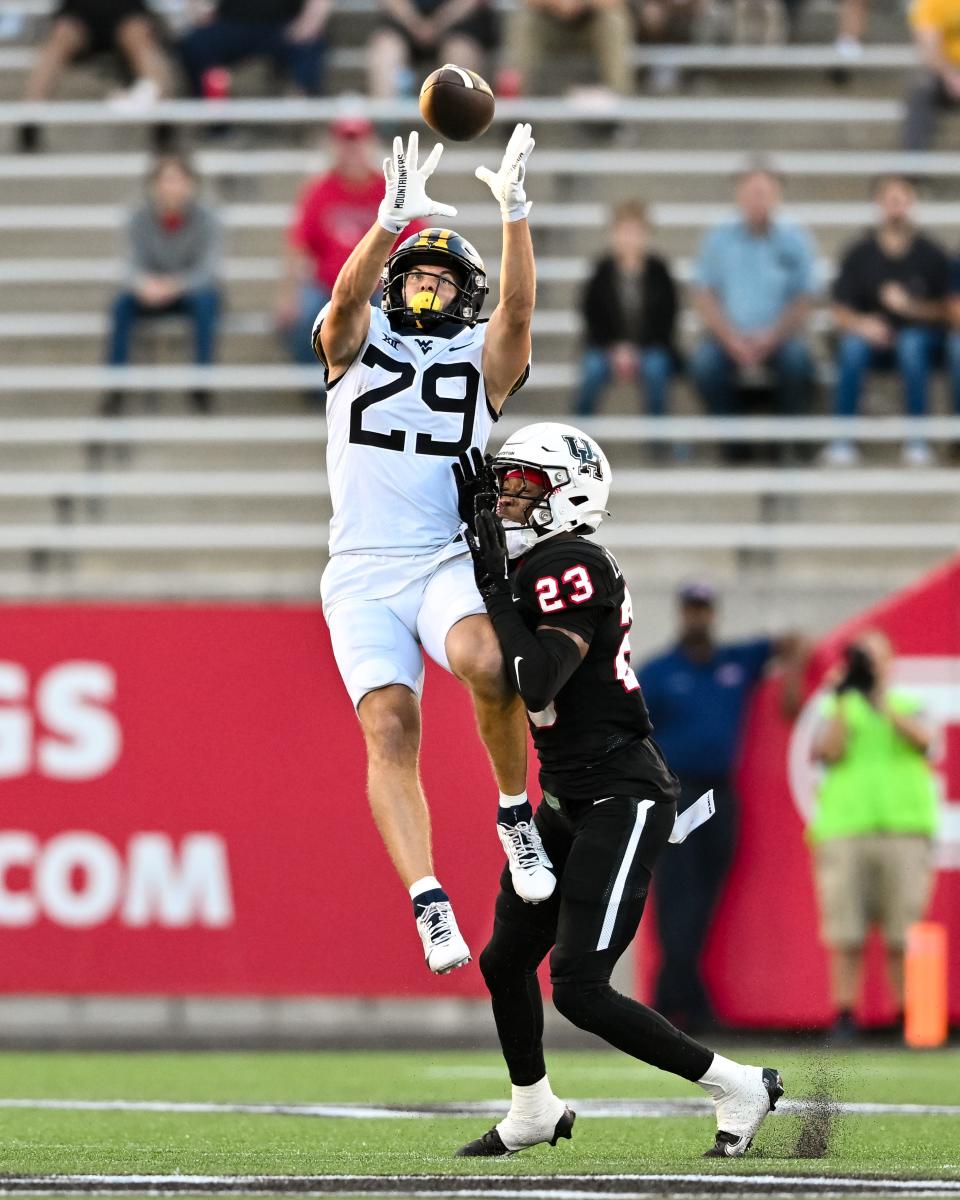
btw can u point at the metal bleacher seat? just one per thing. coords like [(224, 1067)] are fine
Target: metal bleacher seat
[(237, 503)]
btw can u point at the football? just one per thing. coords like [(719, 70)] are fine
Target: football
[(456, 103)]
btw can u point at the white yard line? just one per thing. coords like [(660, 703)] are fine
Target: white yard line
[(467, 1108)]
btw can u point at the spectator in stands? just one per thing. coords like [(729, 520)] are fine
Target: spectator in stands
[(754, 279), (936, 31), (666, 21), (79, 28), (544, 29), (629, 310), (760, 22), (698, 693), (412, 37), (851, 26), (332, 214), (874, 818), (890, 305), (289, 32), (173, 266)]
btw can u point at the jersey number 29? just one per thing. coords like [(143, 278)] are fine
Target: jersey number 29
[(405, 372)]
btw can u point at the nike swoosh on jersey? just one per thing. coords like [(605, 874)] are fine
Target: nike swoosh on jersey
[(516, 667), (602, 798)]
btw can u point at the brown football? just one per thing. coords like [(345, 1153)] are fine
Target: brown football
[(456, 103)]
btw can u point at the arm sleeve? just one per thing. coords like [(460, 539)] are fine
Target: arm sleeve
[(755, 655), (540, 663), (136, 250), (804, 283), (922, 16), (940, 273), (707, 270), (597, 334), (206, 269), (670, 304), (844, 291)]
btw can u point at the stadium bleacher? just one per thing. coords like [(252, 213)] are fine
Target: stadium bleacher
[(160, 503)]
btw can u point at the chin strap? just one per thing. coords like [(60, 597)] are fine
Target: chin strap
[(519, 539)]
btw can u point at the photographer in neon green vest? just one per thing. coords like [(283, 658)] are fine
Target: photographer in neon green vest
[(874, 819)]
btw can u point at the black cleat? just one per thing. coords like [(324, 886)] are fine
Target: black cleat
[(564, 1127), (491, 1144), (735, 1145)]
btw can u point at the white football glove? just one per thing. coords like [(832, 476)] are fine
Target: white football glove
[(507, 183), (406, 197)]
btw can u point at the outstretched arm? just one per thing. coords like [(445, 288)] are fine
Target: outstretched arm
[(506, 350), (348, 317)]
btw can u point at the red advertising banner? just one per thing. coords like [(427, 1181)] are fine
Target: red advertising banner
[(183, 812)]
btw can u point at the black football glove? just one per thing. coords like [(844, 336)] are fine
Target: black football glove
[(476, 485), (488, 546)]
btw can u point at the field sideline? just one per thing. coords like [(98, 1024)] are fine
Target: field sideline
[(864, 1143)]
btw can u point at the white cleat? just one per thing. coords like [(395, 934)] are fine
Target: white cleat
[(443, 944), (741, 1110), (520, 1136), (530, 868)]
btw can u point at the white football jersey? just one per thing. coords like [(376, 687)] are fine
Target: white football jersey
[(397, 419)]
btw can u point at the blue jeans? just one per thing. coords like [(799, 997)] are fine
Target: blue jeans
[(201, 306), (312, 298), (914, 354), (654, 366), (715, 374), (222, 43), (953, 369)]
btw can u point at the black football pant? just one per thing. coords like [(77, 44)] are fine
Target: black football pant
[(603, 857), (689, 882)]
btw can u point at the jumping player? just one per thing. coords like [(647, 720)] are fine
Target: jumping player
[(411, 385), (562, 615)]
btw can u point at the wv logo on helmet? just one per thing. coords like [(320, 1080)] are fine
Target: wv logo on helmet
[(583, 450)]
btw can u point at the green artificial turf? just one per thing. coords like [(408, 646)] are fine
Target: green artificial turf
[(43, 1141)]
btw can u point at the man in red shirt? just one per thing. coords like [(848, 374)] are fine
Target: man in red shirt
[(333, 213)]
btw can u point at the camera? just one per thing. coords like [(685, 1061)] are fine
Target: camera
[(860, 675)]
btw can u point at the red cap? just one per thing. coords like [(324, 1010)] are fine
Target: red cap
[(528, 475), (351, 127)]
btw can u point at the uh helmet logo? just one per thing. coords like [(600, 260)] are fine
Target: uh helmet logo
[(583, 451)]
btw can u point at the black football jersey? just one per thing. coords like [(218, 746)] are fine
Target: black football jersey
[(593, 740)]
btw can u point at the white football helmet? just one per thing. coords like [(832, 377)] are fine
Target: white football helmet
[(577, 478)]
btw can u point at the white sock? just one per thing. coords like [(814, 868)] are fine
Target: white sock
[(722, 1076), (512, 801), (426, 884), (533, 1116)]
